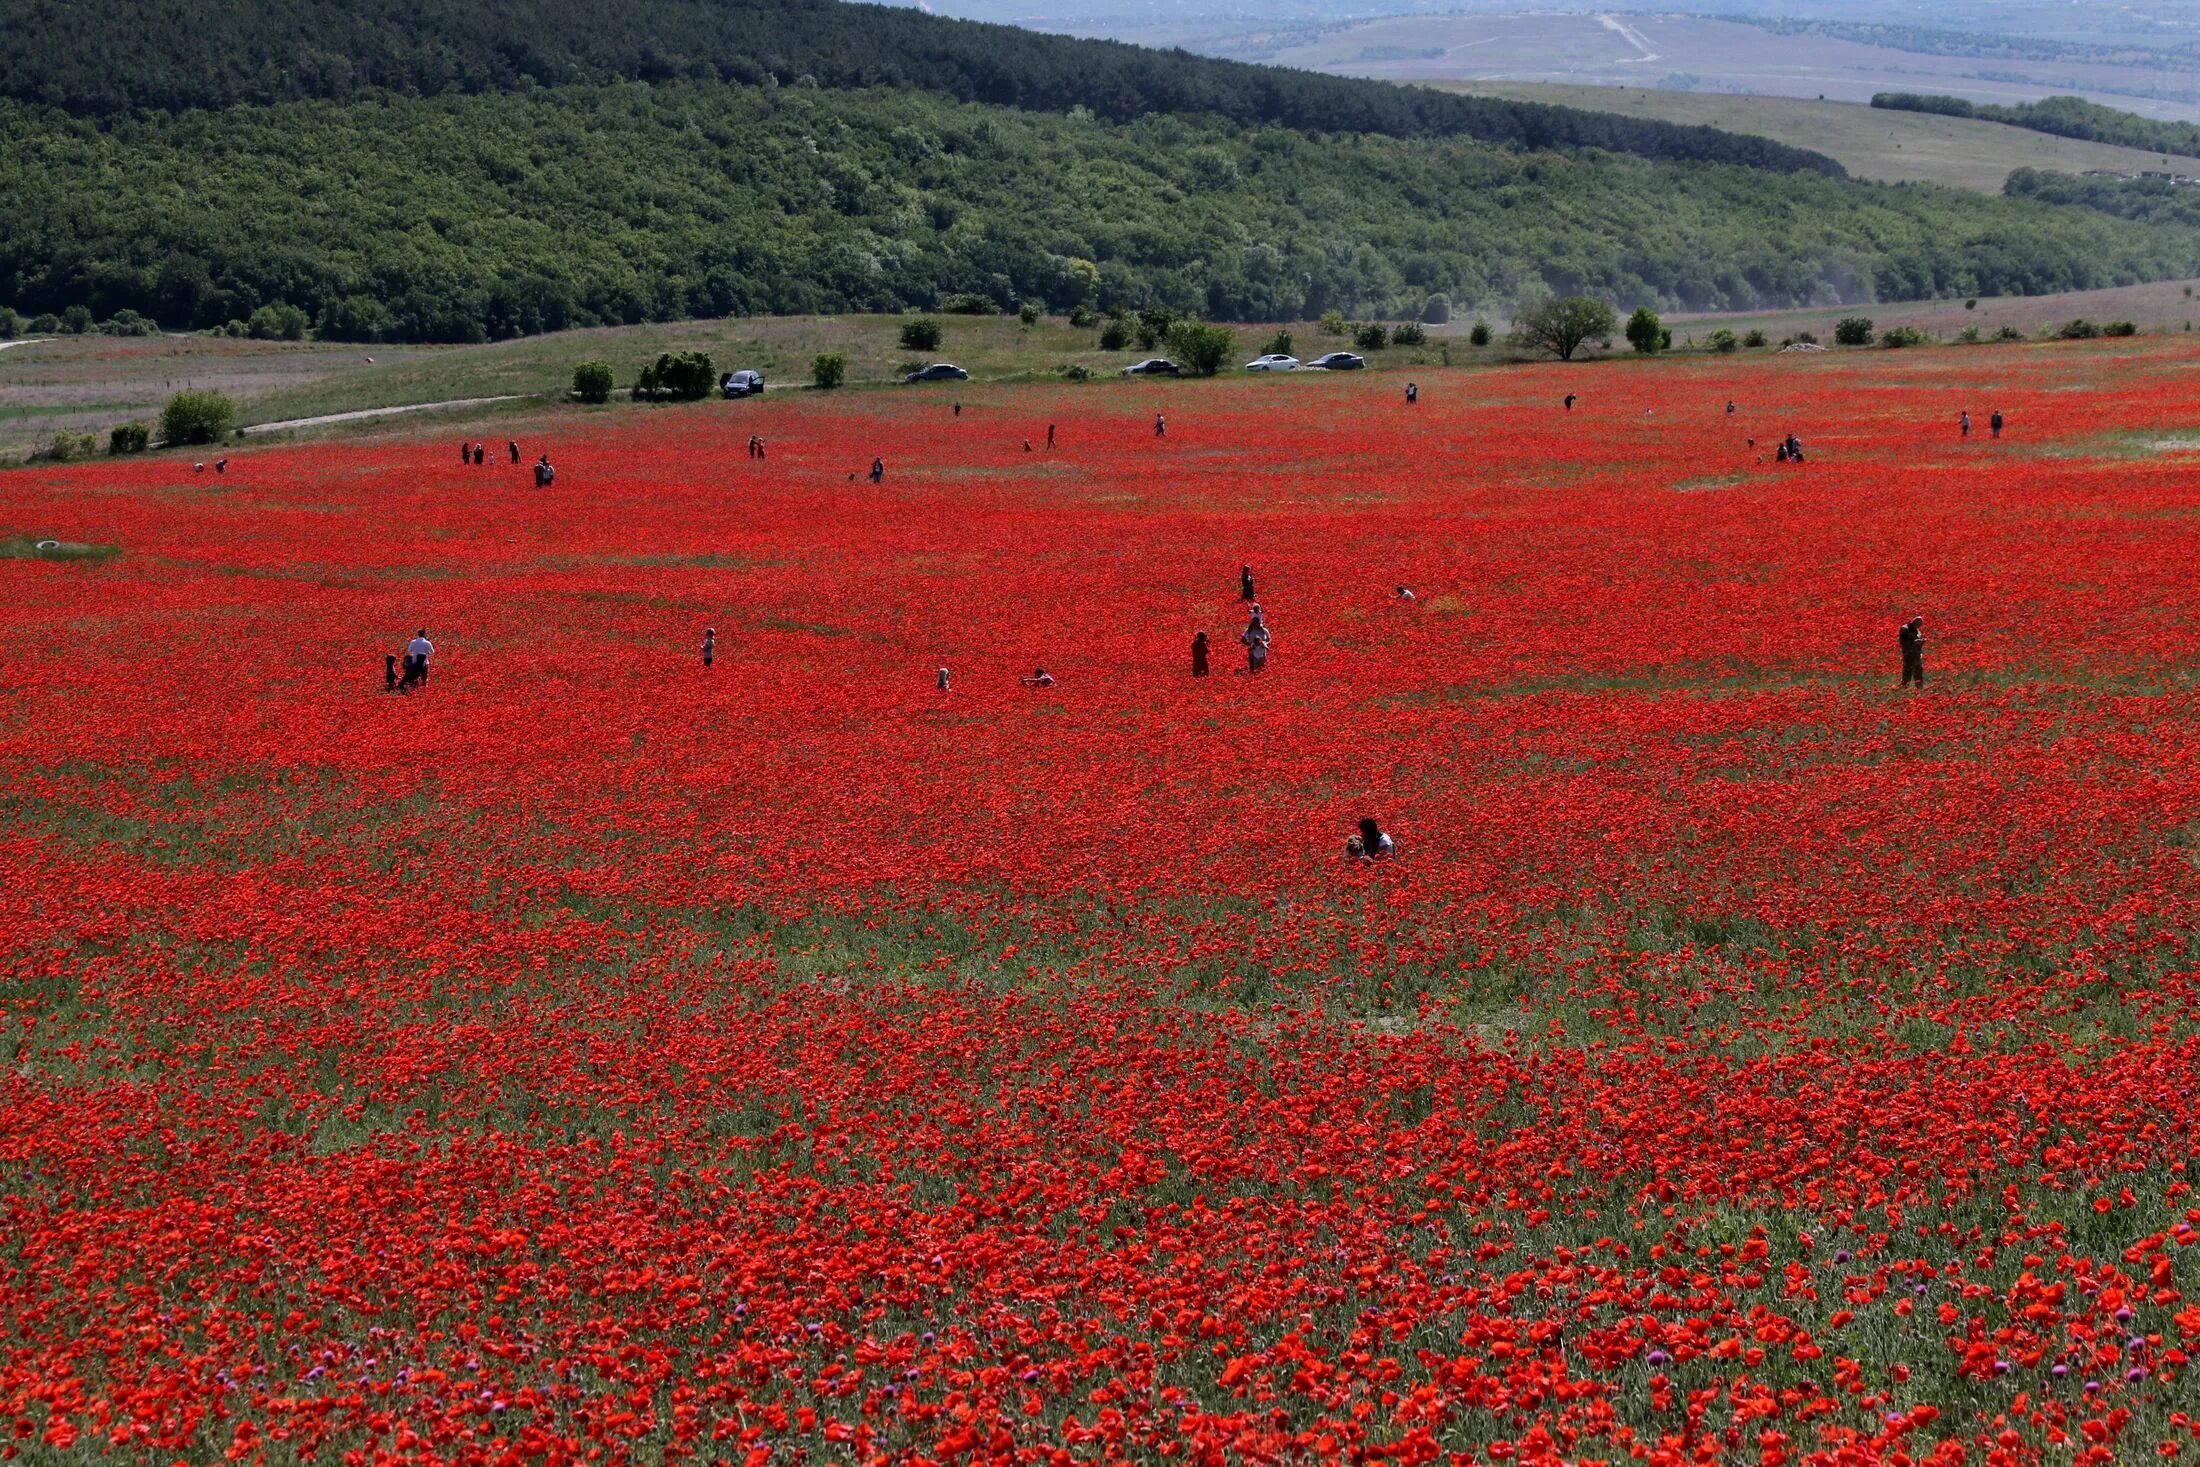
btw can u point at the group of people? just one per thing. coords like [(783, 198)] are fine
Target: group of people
[(415, 674), (477, 454), (1993, 423)]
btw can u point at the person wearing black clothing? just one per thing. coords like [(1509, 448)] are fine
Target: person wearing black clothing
[(878, 469), (1199, 655), (1245, 584), (1994, 423), (1912, 638), (1569, 402), (513, 445), (389, 672)]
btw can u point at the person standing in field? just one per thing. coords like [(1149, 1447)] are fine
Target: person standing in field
[(545, 475), (1963, 423), (1257, 639), (944, 683), (1199, 655), (1160, 426), (513, 447), (389, 672), (710, 645), (1413, 393), (417, 653), (1569, 402), (481, 454), (1245, 585), (465, 453), (878, 469), (1912, 640), (1993, 424), (1730, 407), (1050, 435)]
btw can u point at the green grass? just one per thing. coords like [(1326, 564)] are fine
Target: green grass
[(1884, 146)]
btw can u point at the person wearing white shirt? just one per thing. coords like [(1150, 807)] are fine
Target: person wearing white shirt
[(417, 653)]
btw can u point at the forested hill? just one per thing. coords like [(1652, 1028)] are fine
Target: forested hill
[(2063, 117), (219, 53)]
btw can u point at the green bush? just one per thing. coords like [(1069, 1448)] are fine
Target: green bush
[(682, 377), (77, 320), (278, 322), (966, 304), (592, 382), (2079, 329), (1853, 331), (1077, 372), (1479, 334), (129, 323), (1200, 349), (2120, 328), (196, 417), (1723, 341), (1971, 304), (11, 324), (129, 438), (1645, 333), (1083, 317), (1332, 323), (1564, 325), (1278, 345), (1028, 313), (922, 334), (2009, 333), (45, 325), (1115, 335), (1153, 326), (1408, 333), (66, 447), (1755, 338), (1900, 336), (1969, 336), (828, 369), (1370, 336)]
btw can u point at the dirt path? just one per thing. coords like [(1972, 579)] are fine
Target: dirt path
[(24, 341), (380, 412)]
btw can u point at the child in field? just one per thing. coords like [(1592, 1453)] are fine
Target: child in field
[(1912, 641), (1403, 593), (1371, 844), (545, 475), (1160, 426), (389, 672), (1963, 423), (1245, 584), (1199, 655), (1256, 638), (943, 683), (1040, 678), (1413, 393), (710, 645)]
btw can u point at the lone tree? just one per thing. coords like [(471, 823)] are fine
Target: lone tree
[(592, 382), (1645, 332), (1565, 325), (1200, 349), (196, 417), (922, 334)]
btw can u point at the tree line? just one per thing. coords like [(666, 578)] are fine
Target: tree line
[(223, 53), (476, 218), (2064, 117)]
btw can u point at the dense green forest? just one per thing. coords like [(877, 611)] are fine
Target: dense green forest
[(2065, 117), (464, 217), (2147, 200), (219, 53)]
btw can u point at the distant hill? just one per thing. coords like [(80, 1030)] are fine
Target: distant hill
[(221, 53), (2067, 117), (1872, 143)]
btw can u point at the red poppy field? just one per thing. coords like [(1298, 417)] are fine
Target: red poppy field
[(593, 1055)]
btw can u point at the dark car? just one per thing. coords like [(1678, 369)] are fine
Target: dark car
[(938, 372), (1338, 361), (1153, 367), (742, 384)]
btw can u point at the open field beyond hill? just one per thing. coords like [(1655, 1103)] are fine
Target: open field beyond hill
[(1889, 147), (89, 384), (594, 1055), (1633, 50)]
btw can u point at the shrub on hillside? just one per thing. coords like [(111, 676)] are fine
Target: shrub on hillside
[(1200, 349), (922, 334), (2120, 328), (828, 369), (1645, 333), (1853, 331), (1152, 326), (2078, 329), (1028, 313), (1278, 345), (1564, 325), (1723, 341), (11, 324), (680, 376), (1900, 336), (129, 438), (1083, 317), (1479, 334), (1754, 338), (1115, 335), (1370, 336), (193, 416), (966, 304), (127, 322), (66, 447), (280, 321), (2009, 333), (592, 382), (1408, 333), (1332, 323), (77, 320)]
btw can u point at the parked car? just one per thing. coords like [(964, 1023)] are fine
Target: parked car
[(938, 372), (1153, 367), (1275, 361), (741, 384), (1338, 361)]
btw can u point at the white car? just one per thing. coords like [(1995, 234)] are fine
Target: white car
[(1275, 361)]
